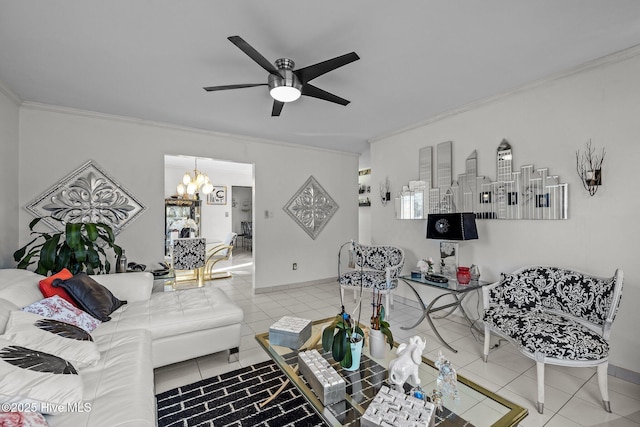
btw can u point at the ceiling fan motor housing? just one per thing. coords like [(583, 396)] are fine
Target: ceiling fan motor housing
[(288, 79)]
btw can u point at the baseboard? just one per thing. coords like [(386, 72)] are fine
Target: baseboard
[(297, 285), (624, 374)]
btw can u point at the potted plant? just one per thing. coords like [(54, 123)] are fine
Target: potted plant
[(344, 339), (380, 329), (81, 249)]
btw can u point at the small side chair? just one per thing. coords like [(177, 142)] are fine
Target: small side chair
[(188, 259), (221, 252), (373, 267)]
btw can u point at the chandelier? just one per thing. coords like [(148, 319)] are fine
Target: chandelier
[(196, 183)]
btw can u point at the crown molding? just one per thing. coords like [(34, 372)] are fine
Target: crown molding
[(612, 58), (10, 94), (28, 105)]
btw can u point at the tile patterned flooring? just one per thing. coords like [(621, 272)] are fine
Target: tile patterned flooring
[(572, 397)]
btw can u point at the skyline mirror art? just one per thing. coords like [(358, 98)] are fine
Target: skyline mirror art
[(527, 193)]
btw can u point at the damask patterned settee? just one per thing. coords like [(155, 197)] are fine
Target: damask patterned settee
[(555, 316), (373, 267)]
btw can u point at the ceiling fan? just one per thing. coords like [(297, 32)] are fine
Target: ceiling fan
[(285, 83)]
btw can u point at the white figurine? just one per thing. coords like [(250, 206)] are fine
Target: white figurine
[(407, 362)]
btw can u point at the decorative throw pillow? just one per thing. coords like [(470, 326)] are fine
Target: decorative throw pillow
[(58, 309), (92, 297), (42, 381), (516, 292), (22, 419), (48, 290), (64, 340)]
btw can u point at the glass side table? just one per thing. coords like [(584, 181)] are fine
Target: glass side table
[(453, 289)]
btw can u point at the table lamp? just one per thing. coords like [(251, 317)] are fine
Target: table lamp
[(450, 227)]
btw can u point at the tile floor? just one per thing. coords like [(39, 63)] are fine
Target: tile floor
[(572, 397)]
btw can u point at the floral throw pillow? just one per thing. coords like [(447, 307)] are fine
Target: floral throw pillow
[(22, 419), (57, 308), (65, 340)]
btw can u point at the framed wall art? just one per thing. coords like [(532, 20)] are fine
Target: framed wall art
[(218, 196)]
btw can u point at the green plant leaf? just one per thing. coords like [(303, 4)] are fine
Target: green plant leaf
[(347, 360), (92, 231), (381, 313), (73, 233), (340, 346), (387, 333), (48, 252), (327, 336)]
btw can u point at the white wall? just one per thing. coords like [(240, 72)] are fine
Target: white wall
[(9, 125), (133, 153), (545, 123)]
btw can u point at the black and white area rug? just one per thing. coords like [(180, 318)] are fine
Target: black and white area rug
[(233, 399)]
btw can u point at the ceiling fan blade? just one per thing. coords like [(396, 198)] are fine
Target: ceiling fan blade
[(316, 92), (254, 54), (277, 108), (240, 86), (312, 71)]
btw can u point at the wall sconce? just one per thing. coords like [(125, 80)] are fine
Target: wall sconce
[(589, 167), (385, 194)]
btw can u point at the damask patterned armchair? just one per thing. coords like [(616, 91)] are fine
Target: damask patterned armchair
[(372, 267), (555, 316), (188, 259)]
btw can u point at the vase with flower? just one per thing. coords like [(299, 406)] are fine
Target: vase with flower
[(426, 266)]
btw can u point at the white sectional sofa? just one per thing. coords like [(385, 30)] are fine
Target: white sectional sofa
[(151, 330)]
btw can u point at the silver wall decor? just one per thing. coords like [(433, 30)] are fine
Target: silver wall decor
[(311, 207), (527, 193), (88, 194)]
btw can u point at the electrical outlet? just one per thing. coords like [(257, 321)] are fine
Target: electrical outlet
[(295, 265)]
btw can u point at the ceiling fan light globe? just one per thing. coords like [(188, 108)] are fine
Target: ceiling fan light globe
[(186, 179), (200, 179), (285, 93)]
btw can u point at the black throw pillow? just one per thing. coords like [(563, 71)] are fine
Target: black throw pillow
[(90, 295)]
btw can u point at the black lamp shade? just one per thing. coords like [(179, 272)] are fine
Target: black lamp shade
[(452, 226)]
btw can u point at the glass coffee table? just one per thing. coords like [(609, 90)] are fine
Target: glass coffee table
[(476, 406)]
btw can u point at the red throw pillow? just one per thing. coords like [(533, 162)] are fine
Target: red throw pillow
[(47, 289)]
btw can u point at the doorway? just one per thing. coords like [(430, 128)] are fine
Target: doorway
[(218, 215)]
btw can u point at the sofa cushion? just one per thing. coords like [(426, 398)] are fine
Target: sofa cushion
[(47, 289), (119, 390), (61, 339), (20, 286), (58, 309), (6, 307), (29, 377), (558, 337), (512, 321), (370, 279), (167, 314), (90, 295)]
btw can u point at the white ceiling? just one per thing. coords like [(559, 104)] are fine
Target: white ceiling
[(419, 58)]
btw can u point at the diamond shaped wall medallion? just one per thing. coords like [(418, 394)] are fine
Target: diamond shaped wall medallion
[(311, 207), (87, 194)]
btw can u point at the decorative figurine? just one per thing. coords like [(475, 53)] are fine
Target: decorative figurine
[(447, 381), (407, 362)]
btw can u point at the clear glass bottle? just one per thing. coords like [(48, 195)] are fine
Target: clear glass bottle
[(121, 263)]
